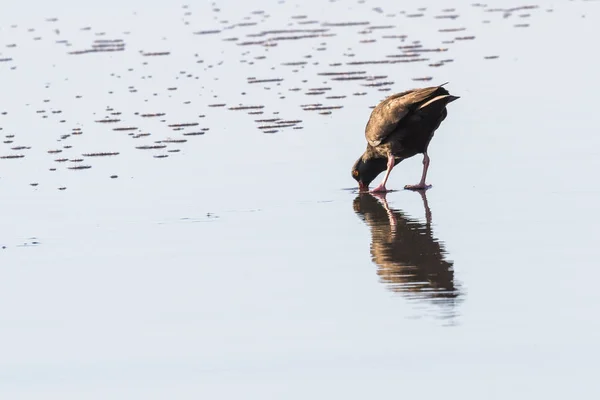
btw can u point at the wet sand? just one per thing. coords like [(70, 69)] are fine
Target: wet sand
[(180, 219)]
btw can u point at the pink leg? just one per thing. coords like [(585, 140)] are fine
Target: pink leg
[(426, 206), (421, 185), (384, 203), (390, 165)]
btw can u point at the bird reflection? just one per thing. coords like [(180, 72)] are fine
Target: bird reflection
[(410, 259)]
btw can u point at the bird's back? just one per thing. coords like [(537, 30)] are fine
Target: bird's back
[(409, 109)]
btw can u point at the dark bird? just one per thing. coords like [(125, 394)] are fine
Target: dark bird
[(409, 258), (400, 127)]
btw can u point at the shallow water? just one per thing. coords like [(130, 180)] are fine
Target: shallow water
[(241, 266)]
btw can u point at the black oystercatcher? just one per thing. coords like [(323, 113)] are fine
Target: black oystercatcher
[(410, 259), (400, 127)]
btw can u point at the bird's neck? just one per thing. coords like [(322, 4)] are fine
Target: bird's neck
[(370, 153)]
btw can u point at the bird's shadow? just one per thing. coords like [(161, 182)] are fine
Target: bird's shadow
[(410, 259)]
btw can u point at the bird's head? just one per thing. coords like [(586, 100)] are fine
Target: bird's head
[(366, 169)]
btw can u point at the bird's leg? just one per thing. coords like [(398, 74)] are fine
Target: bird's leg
[(426, 207), (383, 201), (390, 165), (421, 185)]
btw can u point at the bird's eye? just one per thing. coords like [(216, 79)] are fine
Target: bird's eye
[(355, 172)]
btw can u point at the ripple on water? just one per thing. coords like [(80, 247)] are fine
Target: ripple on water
[(251, 38)]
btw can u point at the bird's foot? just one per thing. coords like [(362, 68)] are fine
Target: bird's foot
[(418, 186), (380, 189)]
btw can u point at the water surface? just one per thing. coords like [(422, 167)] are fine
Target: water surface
[(210, 249)]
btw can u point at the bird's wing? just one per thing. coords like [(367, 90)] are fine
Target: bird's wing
[(385, 117), (388, 114)]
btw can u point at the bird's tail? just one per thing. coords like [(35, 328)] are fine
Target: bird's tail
[(437, 103)]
